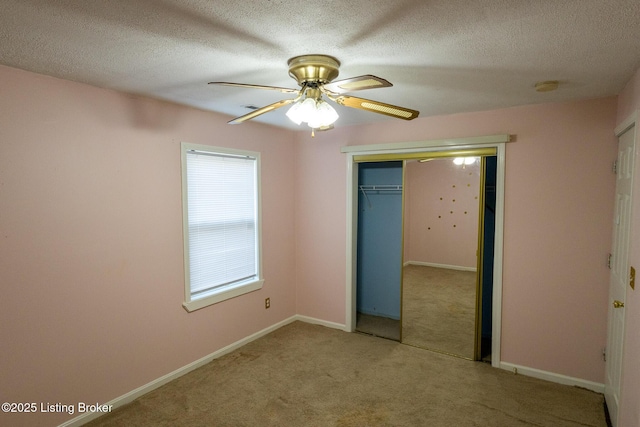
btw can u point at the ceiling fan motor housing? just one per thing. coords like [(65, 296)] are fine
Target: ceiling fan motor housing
[(318, 69)]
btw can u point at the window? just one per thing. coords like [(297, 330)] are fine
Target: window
[(221, 214)]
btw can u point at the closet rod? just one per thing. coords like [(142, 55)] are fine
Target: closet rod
[(381, 187)]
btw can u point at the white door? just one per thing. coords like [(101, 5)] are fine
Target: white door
[(619, 271)]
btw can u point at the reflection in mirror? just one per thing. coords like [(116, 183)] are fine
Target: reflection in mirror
[(439, 285)]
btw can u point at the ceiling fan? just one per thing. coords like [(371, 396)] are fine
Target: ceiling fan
[(315, 74)]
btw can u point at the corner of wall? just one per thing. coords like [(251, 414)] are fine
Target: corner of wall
[(629, 98)]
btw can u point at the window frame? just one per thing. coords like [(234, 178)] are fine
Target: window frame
[(214, 296)]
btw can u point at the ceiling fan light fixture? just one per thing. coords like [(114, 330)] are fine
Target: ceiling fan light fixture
[(300, 111), (315, 113), (325, 115)]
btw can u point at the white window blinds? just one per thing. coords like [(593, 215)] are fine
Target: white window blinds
[(222, 220)]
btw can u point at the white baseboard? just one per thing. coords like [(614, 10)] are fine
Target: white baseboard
[(550, 376), (433, 264), (315, 321), (142, 390)]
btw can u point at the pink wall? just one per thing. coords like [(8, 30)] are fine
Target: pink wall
[(559, 199), (91, 259), (441, 213), (629, 415), (320, 227)]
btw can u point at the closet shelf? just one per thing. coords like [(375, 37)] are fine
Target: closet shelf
[(381, 187)]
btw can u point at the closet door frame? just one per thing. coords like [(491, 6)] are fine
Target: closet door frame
[(405, 150)]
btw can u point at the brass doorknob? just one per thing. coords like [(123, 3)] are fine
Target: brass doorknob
[(618, 304)]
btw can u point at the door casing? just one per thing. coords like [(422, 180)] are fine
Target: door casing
[(404, 149)]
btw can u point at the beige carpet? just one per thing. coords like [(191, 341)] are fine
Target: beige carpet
[(438, 309), (309, 375)]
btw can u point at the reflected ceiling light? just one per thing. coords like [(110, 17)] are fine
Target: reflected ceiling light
[(464, 160)]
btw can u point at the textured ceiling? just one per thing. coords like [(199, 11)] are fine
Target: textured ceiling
[(443, 56)]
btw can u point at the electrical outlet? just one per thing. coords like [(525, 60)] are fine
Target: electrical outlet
[(267, 302)]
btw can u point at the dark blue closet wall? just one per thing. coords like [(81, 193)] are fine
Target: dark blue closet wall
[(489, 244), (379, 265)]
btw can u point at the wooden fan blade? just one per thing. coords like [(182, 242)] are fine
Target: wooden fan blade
[(261, 111), (248, 86), (357, 83), (377, 107)]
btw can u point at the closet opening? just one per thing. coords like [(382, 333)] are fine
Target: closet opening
[(379, 247), (425, 246)]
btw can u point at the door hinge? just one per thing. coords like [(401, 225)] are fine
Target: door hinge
[(609, 261), (615, 167), (604, 353)]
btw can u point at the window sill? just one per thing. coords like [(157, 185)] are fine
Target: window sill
[(222, 295)]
